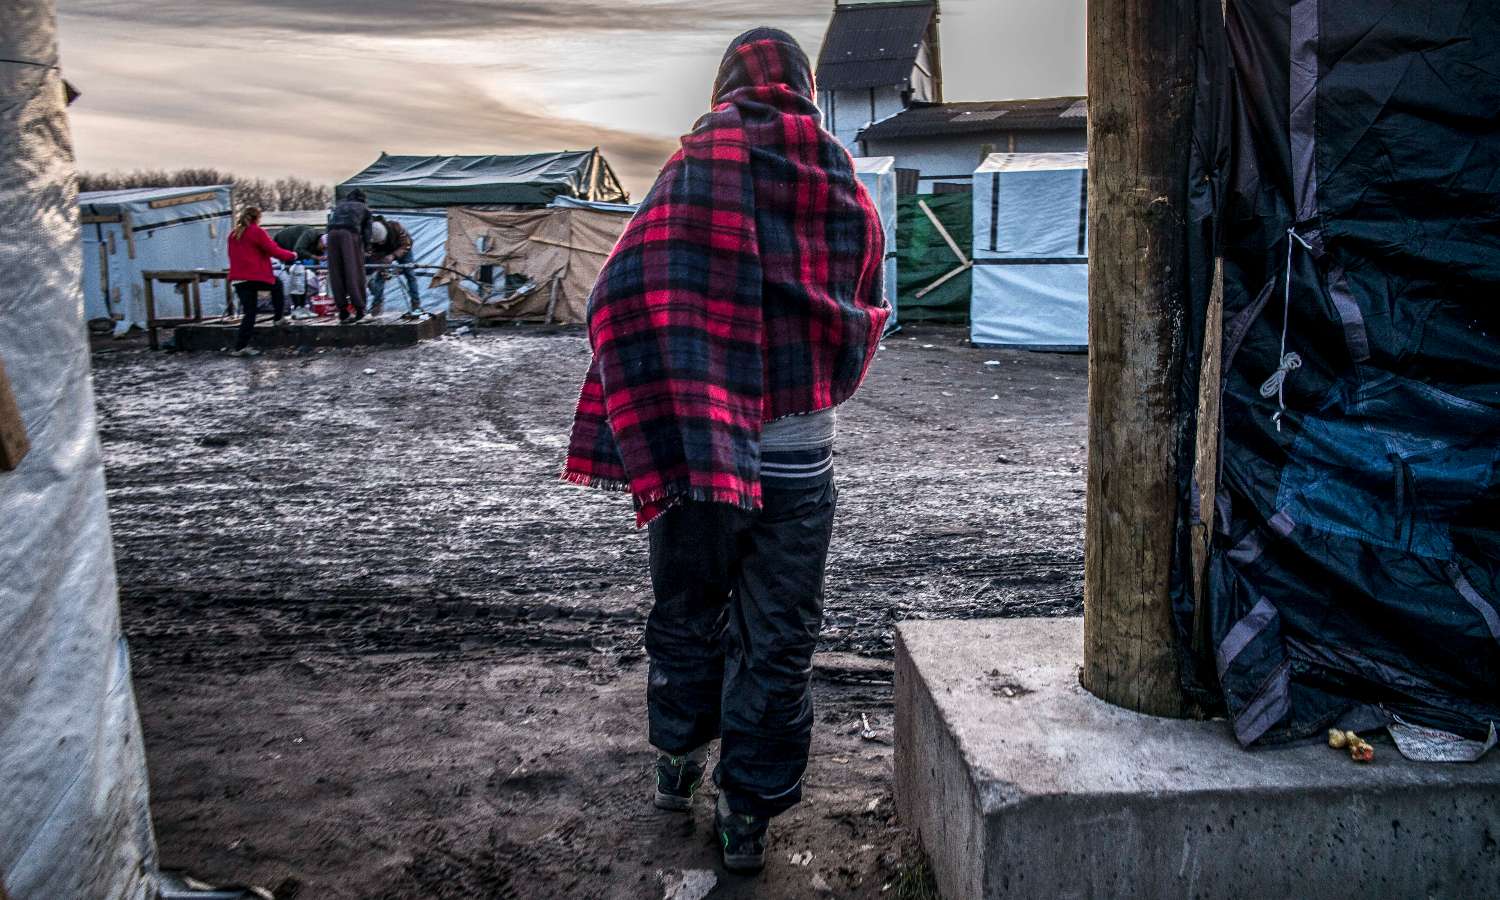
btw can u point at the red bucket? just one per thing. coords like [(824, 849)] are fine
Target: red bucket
[(322, 304)]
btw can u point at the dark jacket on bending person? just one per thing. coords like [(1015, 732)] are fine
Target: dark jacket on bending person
[(303, 240), (352, 215), (397, 241)]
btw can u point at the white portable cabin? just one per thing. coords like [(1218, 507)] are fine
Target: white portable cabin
[(878, 175), (273, 220), (139, 230), (1031, 274)]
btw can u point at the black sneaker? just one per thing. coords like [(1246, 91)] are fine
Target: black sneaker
[(677, 778), (742, 838)]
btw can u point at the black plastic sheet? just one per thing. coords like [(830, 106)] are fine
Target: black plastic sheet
[(1354, 569)]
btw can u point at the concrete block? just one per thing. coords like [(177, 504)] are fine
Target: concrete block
[(1020, 783)]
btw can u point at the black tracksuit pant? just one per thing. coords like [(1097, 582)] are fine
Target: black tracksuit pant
[(247, 292), (739, 603)]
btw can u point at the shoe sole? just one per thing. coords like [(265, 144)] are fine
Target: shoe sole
[(673, 803), (744, 864)]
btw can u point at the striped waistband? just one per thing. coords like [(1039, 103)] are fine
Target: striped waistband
[(796, 468)]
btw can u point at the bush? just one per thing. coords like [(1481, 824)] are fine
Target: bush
[(278, 194)]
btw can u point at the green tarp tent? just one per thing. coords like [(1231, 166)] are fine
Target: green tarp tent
[(923, 257), (534, 179)]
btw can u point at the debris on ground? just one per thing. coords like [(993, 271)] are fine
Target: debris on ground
[(454, 577), (174, 885), (1359, 749), (802, 858), (690, 884)]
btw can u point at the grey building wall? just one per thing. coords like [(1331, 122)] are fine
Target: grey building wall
[(953, 158), (846, 112)]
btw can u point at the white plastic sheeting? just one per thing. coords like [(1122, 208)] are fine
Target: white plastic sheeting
[(156, 229), (878, 175), (596, 205), (429, 247), (73, 798), (1031, 251)]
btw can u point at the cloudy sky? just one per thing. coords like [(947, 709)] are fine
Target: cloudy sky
[(318, 88)]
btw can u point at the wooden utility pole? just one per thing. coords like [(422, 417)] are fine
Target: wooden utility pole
[(1141, 64)]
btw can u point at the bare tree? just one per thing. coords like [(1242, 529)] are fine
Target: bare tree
[(281, 194)]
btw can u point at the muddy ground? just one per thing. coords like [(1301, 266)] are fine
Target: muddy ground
[(381, 652)]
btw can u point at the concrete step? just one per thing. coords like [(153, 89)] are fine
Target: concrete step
[(1022, 784)]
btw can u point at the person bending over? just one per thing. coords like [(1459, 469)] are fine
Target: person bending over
[(307, 242), (394, 252), (348, 236), (304, 240), (250, 253), (742, 304)]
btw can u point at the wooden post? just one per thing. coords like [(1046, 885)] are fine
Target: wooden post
[(150, 309), (1141, 58)]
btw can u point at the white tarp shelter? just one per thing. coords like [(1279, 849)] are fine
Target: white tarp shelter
[(273, 220), (417, 191), (1031, 274), (74, 818), (878, 175), (137, 230), (429, 242)]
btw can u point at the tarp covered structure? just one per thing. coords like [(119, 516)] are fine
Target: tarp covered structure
[(532, 179), (924, 257), (73, 794), (420, 192), (878, 175), (1354, 569), (127, 232), (429, 240), (561, 249), (1031, 274)]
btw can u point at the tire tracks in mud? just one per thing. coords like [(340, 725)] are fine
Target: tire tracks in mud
[(407, 501)]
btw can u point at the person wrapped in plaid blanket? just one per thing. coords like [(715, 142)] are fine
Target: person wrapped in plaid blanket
[(741, 306)]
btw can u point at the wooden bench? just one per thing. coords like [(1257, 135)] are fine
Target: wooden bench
[(189, 284)]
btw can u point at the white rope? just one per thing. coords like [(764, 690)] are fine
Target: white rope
[(1276, 384)]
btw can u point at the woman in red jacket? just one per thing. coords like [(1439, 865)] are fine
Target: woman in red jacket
[(250, 253)]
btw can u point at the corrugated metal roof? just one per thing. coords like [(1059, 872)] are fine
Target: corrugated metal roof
[(872, 44), (100, 200), (927, 119)]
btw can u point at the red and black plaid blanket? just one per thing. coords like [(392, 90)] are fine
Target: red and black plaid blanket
[(746, 288)]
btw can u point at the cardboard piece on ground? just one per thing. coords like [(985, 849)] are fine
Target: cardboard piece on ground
[(13, 441)]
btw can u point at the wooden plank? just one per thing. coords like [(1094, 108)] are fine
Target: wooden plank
[(150, 310), (1207, 471), (104, 278), (183, 200), (944, 279), (129, 234), (182, 275), (14, 443), (98, 219), (1141, 66), (952, 244)]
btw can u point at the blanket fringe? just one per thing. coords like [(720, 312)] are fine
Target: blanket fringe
[(591, 481)]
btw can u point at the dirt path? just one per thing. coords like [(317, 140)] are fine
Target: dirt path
[(381, 652)]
